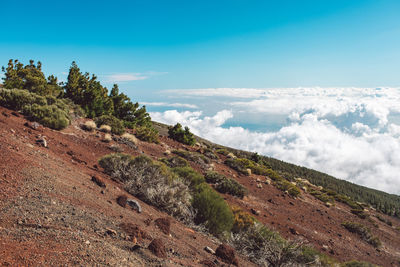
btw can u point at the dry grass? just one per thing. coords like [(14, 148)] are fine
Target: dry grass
[(107, 138), (89, 126), (130, 138), (105, 128)]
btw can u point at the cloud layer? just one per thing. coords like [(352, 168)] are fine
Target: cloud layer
[(351, 133)]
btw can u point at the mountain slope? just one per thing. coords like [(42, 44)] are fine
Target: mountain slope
[(53, 214)]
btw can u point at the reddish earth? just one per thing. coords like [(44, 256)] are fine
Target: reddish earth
[(52, 212)]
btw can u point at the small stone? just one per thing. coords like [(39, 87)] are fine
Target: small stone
[(87, 242), (209, 250), (111, 232), (259, 186), (134, 205)]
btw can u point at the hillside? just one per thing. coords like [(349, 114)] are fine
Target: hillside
[(52, 213)]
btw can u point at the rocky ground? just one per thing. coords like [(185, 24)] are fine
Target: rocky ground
[(53, 214)]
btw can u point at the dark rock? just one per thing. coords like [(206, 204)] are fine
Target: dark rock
[(164, 224), (293, 231), (121, 200), (97, 180), (5, 114), (227, 254), (157, 247), (16, 114)]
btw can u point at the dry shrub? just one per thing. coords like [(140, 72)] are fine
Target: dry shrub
[(105, 128), (107, 138), (89, 126), (130, 137), (151, 182)]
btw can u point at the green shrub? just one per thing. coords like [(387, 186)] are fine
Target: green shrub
[(213, 177), (360, 213), (363, 231), (117, 126), (151, 182), (50, 116), (175, 161), (147, 134), (192, 156), (324, 197), (181, 135), (222, 151), (212, 210), (190, 176), (209, 153), (49, 111), (225, 185), (240, 165)]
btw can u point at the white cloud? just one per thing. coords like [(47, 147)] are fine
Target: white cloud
[(164, 104), (348, 133)]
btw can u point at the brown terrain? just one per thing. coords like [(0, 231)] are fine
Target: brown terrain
[(53, 214)]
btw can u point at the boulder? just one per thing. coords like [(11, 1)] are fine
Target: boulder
[(164, 224), (227, 254), (157, 247), (97, 180)]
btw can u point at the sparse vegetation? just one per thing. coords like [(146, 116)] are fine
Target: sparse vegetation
[(263, 246), (181, 135), (242, 220), (175, 161), (89, 125), (212, 210), (222, 151), (363, 231), (105, 128), (49, 111), (360, 213), (357, 264), (117, 127), (150, 181), (190, 176), (226, 185), (147, 134), (130, 138), (324, 197), (382, 219), (192, 156), (107, 138)]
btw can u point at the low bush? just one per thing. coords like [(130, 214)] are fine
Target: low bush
[(130, 138), (150, 181), (181, 135), (117, 126), (89, 125), (225, 185), (348, 201), (107, 138), (242, 220), (50, 116), (360, 213), (192, 156), (209, 153), (265, 247), (363, 231), (105, 128), (213, 177), (51, 112), (222, 151), (388, 222), (175, 161), (324, 197), (147, 134), (212, 210), (189, 176)]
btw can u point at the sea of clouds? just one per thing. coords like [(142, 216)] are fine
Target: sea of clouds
[(350, 133)]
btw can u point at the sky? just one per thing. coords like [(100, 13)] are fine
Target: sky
[(315, 83)]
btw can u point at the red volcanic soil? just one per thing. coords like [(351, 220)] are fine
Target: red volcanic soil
[(53, 213)]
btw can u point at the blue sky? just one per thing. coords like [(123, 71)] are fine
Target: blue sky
[(316, 83), (207, 44)]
